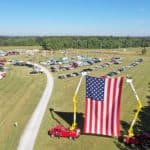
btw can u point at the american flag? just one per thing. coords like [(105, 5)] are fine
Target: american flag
[(102, 105)]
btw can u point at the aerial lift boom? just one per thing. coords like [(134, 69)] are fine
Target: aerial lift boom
[(74, 124), (130, 131)]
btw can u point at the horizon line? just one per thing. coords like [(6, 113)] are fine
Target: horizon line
[(75, 35)]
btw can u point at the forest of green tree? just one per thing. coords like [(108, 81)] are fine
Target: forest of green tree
[(65, 42)]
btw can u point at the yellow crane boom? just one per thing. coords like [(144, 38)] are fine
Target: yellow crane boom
[(74, 124), (139, 107)]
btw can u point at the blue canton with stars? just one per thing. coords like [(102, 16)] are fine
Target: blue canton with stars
[(95, 88)]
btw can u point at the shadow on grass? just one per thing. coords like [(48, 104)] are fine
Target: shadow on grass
[(141, 126), (68, 117)]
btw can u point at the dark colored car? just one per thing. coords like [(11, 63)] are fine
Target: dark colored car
[(69, 75), (87, 70), (62, 76), (110, 74), (76, 73)]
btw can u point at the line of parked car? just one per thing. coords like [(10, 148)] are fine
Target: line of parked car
[(94, 68), (110, 74), (35, 69), (85, 62), (66, 63), (119, 70), (7, 53)]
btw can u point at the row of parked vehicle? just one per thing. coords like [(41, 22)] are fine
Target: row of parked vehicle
[(7, 53), (94, 68), (67, 60), (119, 70), (76, 64), (35, 68), (66, 63), (110, 74)]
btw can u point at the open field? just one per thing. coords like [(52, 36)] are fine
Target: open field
[(61, 102), (19, 95), (19, 106)]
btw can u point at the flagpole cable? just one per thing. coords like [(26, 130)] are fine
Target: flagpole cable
[(74, 124), (139, 107)]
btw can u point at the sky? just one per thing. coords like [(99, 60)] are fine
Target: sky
[(75, 17)]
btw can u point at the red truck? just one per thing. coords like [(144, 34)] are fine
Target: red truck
[(139, 139), (60, 131)]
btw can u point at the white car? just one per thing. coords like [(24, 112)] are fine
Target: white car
[(2, 75)]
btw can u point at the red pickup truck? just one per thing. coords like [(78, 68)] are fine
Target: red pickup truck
[(60, 131)]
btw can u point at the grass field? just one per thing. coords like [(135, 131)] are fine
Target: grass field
[(61, 102), (19, 95)]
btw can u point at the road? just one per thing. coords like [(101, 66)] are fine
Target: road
[(29, 135)]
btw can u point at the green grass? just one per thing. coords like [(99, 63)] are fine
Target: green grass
[(19, 94), (61, 101)]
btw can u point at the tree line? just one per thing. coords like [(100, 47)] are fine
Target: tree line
[(65, 42)]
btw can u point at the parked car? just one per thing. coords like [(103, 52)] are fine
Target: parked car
[(29, 64), (87, 70), (139, 60), (18, 63), (3, 60), (96, 60), (62, 76), (36, 69), (110, 74), (90, 62), (76, 73), (2, 74), (116, 62), (69, 75), (121, 69), (55, 69), (60, 131), (2, 63)]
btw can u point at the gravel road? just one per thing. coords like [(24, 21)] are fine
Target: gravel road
[(29, 135)]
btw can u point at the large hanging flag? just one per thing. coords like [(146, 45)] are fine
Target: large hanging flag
[(102, 105)]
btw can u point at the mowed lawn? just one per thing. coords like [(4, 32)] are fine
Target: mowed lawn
[(20, 93), (61, 102)]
